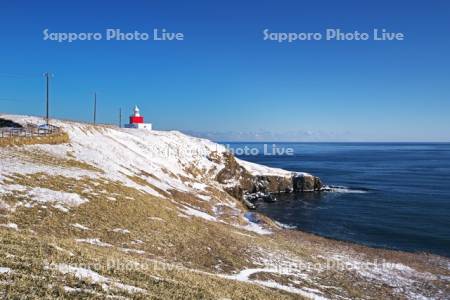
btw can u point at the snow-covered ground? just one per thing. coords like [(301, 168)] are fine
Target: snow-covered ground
[(260, 170), (120, 153), (167, 160)]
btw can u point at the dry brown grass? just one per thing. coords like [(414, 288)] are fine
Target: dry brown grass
[(141, 181), (38, 156), (189, 242), (30, 257), (53, 139), (193, 241), (193, 247)]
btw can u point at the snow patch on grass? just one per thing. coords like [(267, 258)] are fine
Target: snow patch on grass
[(204, 197), (403, 279), (199, 186), (79, 226), (121, 230), (61, 200), (95, 242), (245, 274), (8, 188), (5, 206), (306, 292), (197, 213), (12, 226), (253, 224), (156, 219), (255, 228), (5, 270), (69, 289), (128, 250), (94, 277)]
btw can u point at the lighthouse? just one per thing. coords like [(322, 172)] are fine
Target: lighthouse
[(137, 121)]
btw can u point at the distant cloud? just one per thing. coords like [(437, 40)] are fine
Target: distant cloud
[(272, 136)]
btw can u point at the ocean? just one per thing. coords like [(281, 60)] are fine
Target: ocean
[(389, 195)]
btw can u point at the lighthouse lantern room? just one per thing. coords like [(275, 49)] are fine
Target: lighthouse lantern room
[(137, 121)]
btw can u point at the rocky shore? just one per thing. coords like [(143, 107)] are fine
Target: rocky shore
[(249, 182)]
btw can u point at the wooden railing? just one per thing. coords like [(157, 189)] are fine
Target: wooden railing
[(29, 130)]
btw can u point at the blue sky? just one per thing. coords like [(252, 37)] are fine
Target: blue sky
[(224, 80)]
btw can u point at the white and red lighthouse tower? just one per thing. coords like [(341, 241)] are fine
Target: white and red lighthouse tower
[(137, 121)]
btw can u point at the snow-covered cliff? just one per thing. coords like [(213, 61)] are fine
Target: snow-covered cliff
[(115, 212), (161, 163), (167, 161)]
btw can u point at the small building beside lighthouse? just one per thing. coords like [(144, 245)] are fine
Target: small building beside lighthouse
[(137, 121)]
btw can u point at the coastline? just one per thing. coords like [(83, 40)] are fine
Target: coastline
[(388, 195), (111, 213)]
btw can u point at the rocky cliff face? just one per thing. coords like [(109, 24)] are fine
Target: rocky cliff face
[(243, 178)]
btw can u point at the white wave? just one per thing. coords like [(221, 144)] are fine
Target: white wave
[(343, 189), (285, 226)]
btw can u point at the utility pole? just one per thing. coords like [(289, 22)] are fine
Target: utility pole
[(47, 97), (120, 117), (95, 107)]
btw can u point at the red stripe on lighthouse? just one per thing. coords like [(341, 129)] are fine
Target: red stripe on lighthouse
[(136, 120)]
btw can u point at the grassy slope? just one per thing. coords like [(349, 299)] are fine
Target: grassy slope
[(193, 248), (170, 256)]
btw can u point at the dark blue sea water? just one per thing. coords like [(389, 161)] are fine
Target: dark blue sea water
[(396, 195)]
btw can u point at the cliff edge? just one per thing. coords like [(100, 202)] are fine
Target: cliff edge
[(131, 214)]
